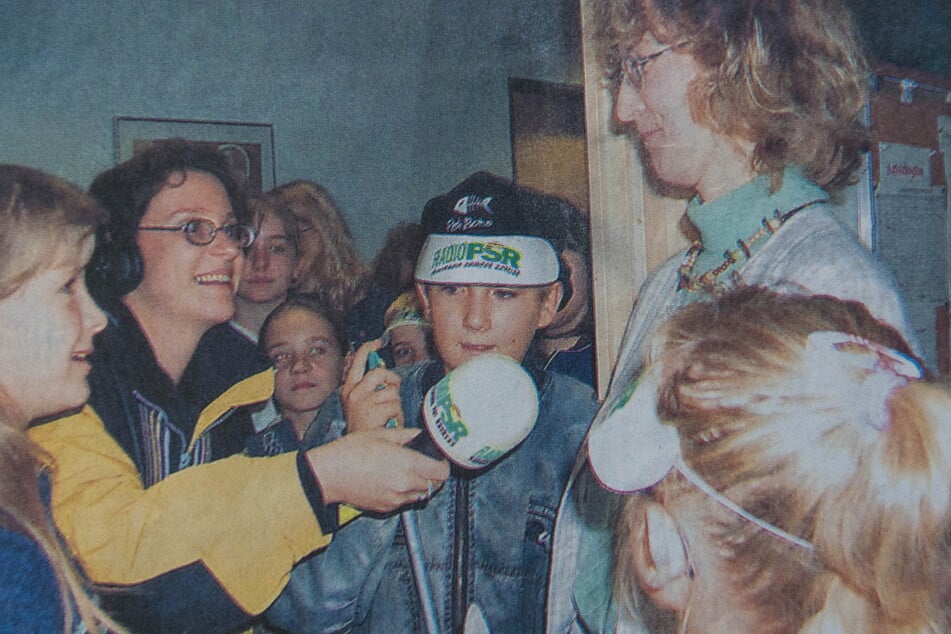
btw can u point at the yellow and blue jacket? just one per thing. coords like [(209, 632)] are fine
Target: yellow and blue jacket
[(177, 530)]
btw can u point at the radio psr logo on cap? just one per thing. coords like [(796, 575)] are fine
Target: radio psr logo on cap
[(477, 255)]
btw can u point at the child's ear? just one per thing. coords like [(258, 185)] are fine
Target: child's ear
[(660, 560), (423, 296), (550, 303)]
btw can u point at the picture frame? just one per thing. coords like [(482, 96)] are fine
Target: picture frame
[(249, 147)]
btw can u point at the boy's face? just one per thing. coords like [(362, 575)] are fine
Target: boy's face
[(469, 320)]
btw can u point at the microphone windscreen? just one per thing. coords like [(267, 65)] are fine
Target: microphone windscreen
[(481, 410)]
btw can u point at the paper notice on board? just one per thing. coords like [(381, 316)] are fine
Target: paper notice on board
[(911, 238), (903, 167)]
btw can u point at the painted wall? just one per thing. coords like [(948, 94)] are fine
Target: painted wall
[(385, 103)]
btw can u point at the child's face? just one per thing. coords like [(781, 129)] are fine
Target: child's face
[(409, 345), (308, 359), (271, 264), (469, 320), (46, 331)]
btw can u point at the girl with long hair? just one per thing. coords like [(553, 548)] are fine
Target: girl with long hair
[(330, 266), (47, 323)]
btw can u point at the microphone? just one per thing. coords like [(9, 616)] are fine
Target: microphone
[(478, 412), (473, 416)]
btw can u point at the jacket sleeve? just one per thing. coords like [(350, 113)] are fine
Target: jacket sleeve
[(246, 520), (332, 590)]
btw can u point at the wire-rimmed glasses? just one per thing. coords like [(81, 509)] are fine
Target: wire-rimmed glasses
[(633, 67)]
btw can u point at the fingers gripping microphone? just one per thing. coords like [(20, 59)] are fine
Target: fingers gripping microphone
[(474, 415)]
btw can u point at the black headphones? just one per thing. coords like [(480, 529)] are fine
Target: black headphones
[(116, 267)]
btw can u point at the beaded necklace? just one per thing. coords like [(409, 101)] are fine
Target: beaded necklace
[(707, 281)]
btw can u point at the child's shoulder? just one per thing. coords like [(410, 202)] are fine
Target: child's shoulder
[(562, 393), (29, 593)]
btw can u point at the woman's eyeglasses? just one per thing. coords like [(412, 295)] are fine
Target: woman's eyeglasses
[(201, 232), (633, 67)]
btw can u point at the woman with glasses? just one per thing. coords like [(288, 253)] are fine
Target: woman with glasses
[(751, 109), (148, 490)]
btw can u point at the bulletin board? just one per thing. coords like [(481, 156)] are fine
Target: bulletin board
[(910, 206)]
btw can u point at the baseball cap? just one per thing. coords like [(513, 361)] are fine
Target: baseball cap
[(482, 232)]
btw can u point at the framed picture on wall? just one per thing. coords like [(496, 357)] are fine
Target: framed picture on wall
[(249, 147)]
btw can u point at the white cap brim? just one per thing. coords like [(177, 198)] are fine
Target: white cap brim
[(632, 450), (488, 260)]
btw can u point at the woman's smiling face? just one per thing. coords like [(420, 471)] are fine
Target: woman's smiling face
[(682, 152), (192, 286)]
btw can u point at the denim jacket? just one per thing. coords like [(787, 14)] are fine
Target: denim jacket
[(489, 530)]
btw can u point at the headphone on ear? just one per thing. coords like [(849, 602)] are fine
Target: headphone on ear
[(116, 267)]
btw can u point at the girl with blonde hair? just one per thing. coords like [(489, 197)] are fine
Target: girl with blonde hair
[(799, 474), (330, 266), (272, 265), (47, 323)]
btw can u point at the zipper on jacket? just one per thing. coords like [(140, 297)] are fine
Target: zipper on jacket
[(460, 560)]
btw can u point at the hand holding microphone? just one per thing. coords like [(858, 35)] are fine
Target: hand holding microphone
[(370, 392)]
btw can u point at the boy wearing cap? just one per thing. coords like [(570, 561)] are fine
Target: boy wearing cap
[(487, 281)]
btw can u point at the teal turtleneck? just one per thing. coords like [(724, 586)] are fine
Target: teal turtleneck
[(739, 214)]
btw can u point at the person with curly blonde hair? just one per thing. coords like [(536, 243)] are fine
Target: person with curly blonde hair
[(751, 109), (330, 266), (799, 481)]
